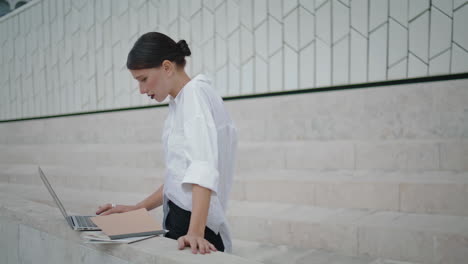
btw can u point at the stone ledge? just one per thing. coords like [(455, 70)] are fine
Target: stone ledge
[(415, 154), (435, 192), (31, 216), (395, 235)]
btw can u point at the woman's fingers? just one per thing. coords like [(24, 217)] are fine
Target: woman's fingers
[(206, 247), (197, 244), (103, 208), (201, 245), (212, 247), (110, 211), (181, 242), (193, 245)]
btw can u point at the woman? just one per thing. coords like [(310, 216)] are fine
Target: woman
[(199, 141)]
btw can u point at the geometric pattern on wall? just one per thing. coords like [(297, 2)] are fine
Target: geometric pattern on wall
[(64, 56)]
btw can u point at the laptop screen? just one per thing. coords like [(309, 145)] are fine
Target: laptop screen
[(49, 187)]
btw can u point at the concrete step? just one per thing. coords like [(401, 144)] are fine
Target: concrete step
[(410, 237), (423, 110), (435, 192), (91, 155), (278, 254), (338, 154), (400, 236), (126, 179)]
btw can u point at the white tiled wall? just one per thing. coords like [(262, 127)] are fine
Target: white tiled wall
[(66, 56)]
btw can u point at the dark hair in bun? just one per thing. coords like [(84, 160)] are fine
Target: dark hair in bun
[(152, 48), (183, 46)]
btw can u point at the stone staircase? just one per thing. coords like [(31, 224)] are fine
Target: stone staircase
[(363, 176), (338, 214)]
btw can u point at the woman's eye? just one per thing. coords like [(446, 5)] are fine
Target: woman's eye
[(143, 80)]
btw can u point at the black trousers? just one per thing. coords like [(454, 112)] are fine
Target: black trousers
[(178, 221)]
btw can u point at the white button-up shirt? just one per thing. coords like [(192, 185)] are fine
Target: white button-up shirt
[(200, 142)]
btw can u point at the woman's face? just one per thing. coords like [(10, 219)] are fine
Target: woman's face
[(153, 82)]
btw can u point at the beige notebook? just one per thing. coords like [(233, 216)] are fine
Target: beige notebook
[(130, 224)]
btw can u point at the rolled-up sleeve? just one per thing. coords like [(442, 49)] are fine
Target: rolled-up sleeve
[(201, 145)]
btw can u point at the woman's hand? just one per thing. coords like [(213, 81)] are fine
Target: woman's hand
[(197, 243), (107, 209)]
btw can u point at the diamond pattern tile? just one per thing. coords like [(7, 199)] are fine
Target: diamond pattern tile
[(359, 57), (232, 16), (234, 47), (440, 64), (291, 30), (275, 35), (221, 81), (291, 71), (248, 77), (247, 49), (260, 11), (246, 13), (459, 59), (444, 6), (234, 80), (76, 50), (341, 62), (275, 9), (378, 13), (360, 16), (419, 36), (399, 11), (195, 6), (289, 5), (340, 21), (307, 4), (221, 51), (323, 22), (378, 54), (306, 27), (209, 56), (398, 42), (276, 72), (416, 7), (323, 59), (440, 31), (458, 3), (306, 67), (261, 75), (220, 20), (416, 67), (460, 33), (208, 24), (261, 40)]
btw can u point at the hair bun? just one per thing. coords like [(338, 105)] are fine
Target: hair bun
[(183, 46)]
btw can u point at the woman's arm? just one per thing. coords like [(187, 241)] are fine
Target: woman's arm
[(195, 237), (200, 205), (150, 202), (153, 201)]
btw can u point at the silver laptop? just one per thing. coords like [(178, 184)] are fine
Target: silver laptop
[(76, 222)]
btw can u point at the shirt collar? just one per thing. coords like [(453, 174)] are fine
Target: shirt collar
[(176, 100)]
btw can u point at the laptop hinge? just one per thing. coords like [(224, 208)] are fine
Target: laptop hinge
[(71, 222)]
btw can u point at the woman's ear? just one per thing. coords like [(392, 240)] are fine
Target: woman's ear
[(168, 67)]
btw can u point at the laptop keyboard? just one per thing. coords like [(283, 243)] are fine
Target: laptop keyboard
[(84, 221)]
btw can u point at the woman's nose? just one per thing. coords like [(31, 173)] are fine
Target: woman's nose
[(142, 89)]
